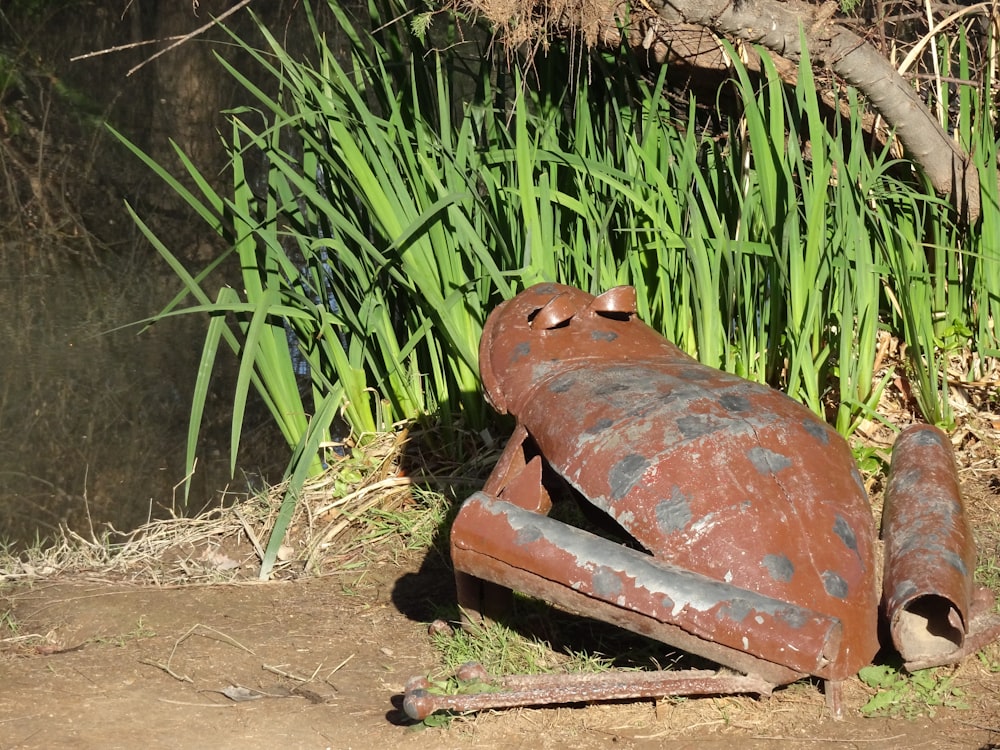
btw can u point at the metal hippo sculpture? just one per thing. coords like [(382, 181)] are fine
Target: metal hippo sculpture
[(757, 538)]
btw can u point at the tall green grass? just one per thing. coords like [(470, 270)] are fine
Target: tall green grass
[(405, 189)]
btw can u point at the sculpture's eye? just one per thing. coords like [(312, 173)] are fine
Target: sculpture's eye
[(555, 313), (624, 317)]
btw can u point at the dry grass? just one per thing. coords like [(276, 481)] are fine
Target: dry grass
[(368, 500)]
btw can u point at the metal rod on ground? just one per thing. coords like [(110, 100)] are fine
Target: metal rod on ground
[(537, 690)]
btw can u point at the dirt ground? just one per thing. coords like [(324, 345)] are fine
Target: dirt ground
[(96, 664)]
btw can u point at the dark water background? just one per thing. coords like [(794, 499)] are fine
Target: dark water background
[(93, 416)]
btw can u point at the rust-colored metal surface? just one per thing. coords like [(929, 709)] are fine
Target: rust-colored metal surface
[(710, 473), (929, 597), (754, 538)]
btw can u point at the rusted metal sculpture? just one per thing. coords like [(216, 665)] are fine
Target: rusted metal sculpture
[(754, 539)]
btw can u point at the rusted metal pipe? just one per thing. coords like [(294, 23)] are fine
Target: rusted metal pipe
[(930, 554), (419, 701), (502, 543)]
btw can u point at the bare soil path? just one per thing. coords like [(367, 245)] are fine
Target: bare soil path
[(116, 666)]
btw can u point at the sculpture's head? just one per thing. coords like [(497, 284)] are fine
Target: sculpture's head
[(548, 325)]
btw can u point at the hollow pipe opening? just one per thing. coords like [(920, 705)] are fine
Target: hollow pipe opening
[(928, 626)]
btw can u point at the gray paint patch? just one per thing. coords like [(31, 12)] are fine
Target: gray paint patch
[(562, 383), (856, 476), (738, 608), (926, 439), (904, 590), (607, 389), (673, 514), (843, 529), (603, 335), (956, 562), (624, 475), (780, 567), (734, 402), (796, 618), (693, 426), (528, 536), (817, 430), (607, 584), (599, 426), (834, 584), (767, 461)]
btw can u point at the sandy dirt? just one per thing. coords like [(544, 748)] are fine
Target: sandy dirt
[(94, 664)]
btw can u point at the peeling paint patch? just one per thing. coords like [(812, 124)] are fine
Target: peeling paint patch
[(624, 475), (674, 514), (834, 584), (521, 350), (779, 567), (767, 461)]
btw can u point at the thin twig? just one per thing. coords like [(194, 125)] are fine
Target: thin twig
[(240, 5), (291, 676), (337, 668), (167, 669), (249, 532), (122, 48), (177, 40), (782, 738)]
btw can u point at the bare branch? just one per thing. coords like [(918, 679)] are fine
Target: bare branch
[(780, 25)]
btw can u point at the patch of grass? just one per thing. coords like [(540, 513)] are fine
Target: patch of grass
[(139, 632), (9, 627), (500, 649), (536, 638), (917, 694)]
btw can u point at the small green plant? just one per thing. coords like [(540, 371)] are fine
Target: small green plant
[(916, 694), (139, 632), (8, 625), (870, 460), (990, 659)]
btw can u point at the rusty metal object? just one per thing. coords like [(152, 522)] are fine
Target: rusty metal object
[(756, 535), (419, 701), (929, 598), (725, 479)]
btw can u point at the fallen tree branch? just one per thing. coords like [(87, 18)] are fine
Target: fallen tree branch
[(779, 25)]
